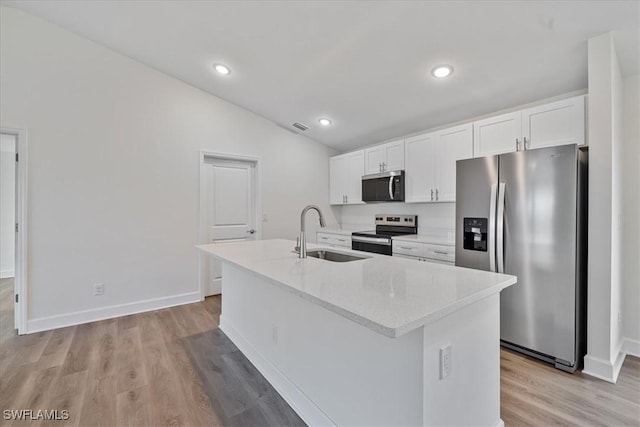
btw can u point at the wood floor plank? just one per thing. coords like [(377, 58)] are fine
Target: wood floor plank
[(99, 403), (130, 373), (55, 353), (82, 350), (175, 367), (132, 407), (68, 394), (106, 334), (168, 407)]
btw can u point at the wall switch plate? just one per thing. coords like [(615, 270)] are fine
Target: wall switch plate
[(445, 362), (98, 289)]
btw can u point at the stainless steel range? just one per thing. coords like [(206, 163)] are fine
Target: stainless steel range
[(387, 226)]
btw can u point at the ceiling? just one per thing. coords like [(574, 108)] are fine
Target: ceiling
[(364, 65)]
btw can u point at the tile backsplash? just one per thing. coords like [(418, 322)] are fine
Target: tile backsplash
[(433, 218)]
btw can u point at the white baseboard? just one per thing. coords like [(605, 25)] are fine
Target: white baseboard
[(301, 404), (500, 423), (102, 313), (631, 347), (5, 274), (214, 287), (603, 369)]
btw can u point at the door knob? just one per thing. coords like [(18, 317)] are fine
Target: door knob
[(251, 231)]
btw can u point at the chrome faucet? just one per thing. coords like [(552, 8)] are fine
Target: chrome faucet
[(301, 247)]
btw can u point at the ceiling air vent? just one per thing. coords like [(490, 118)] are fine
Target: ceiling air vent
[(300, 126)]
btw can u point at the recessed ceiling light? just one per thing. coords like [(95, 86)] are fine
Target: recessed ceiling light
[(442, 71), (222, 69), (324, 122)]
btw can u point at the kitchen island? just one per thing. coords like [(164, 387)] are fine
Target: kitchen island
[(377, 341)]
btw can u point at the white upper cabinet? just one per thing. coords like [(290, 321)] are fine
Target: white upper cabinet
[(453, 144), (430, 160), (394, 153), (557, 123), (497, 135), (374, 157), (355, 170), (338, 170), (420, 162), (345, 178), (385, 157)]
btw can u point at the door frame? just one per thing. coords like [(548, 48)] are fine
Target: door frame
[(202, 222), (21, 278)]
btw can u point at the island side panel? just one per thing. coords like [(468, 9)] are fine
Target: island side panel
[(470, 394), (319, 361)]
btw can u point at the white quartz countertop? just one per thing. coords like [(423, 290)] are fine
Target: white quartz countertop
[(389, 295), (426, 238)]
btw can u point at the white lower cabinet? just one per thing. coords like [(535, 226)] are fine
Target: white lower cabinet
[(418, 251), (333, 240)]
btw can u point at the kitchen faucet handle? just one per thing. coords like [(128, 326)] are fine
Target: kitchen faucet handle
[(297, 248)]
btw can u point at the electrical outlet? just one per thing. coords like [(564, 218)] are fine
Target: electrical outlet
[(445, 362), (98, 289), (265, 217)]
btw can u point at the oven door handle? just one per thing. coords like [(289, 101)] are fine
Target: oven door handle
[(376, 240)]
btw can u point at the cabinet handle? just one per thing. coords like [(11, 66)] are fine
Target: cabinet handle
[(380, 166), (441, 252), (525, 143), (517, 145), (384, 166), (437, 194), (432, 194), (407, 248), (346, 199)]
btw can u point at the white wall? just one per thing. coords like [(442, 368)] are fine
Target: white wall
[(631, 215), (604, 339), (7, 204), (113, 171)]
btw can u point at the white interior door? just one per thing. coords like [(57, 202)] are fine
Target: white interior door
[(8, 219), (230, 209)]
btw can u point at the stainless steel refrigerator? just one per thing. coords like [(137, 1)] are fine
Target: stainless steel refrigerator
[(525, 214)]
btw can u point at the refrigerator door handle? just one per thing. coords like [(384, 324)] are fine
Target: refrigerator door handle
[(500, 227), (492, 228)]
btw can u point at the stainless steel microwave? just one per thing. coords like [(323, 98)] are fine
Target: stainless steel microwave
[(383, 187)]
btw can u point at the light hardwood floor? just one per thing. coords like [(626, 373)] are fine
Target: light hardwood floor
[(174, 367)]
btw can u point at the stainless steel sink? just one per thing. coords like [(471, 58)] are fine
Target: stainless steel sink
[(333, 256)]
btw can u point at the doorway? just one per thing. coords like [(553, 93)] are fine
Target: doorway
[(229, 209), (13, 295)]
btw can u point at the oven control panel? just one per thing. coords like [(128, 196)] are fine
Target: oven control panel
[(401, 220)]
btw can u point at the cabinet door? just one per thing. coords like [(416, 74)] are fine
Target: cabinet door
[(394, 156), (355, 170), (558, 123), (452, 145), (374, 157), (497, 135), (420, 168), (337, 179)]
